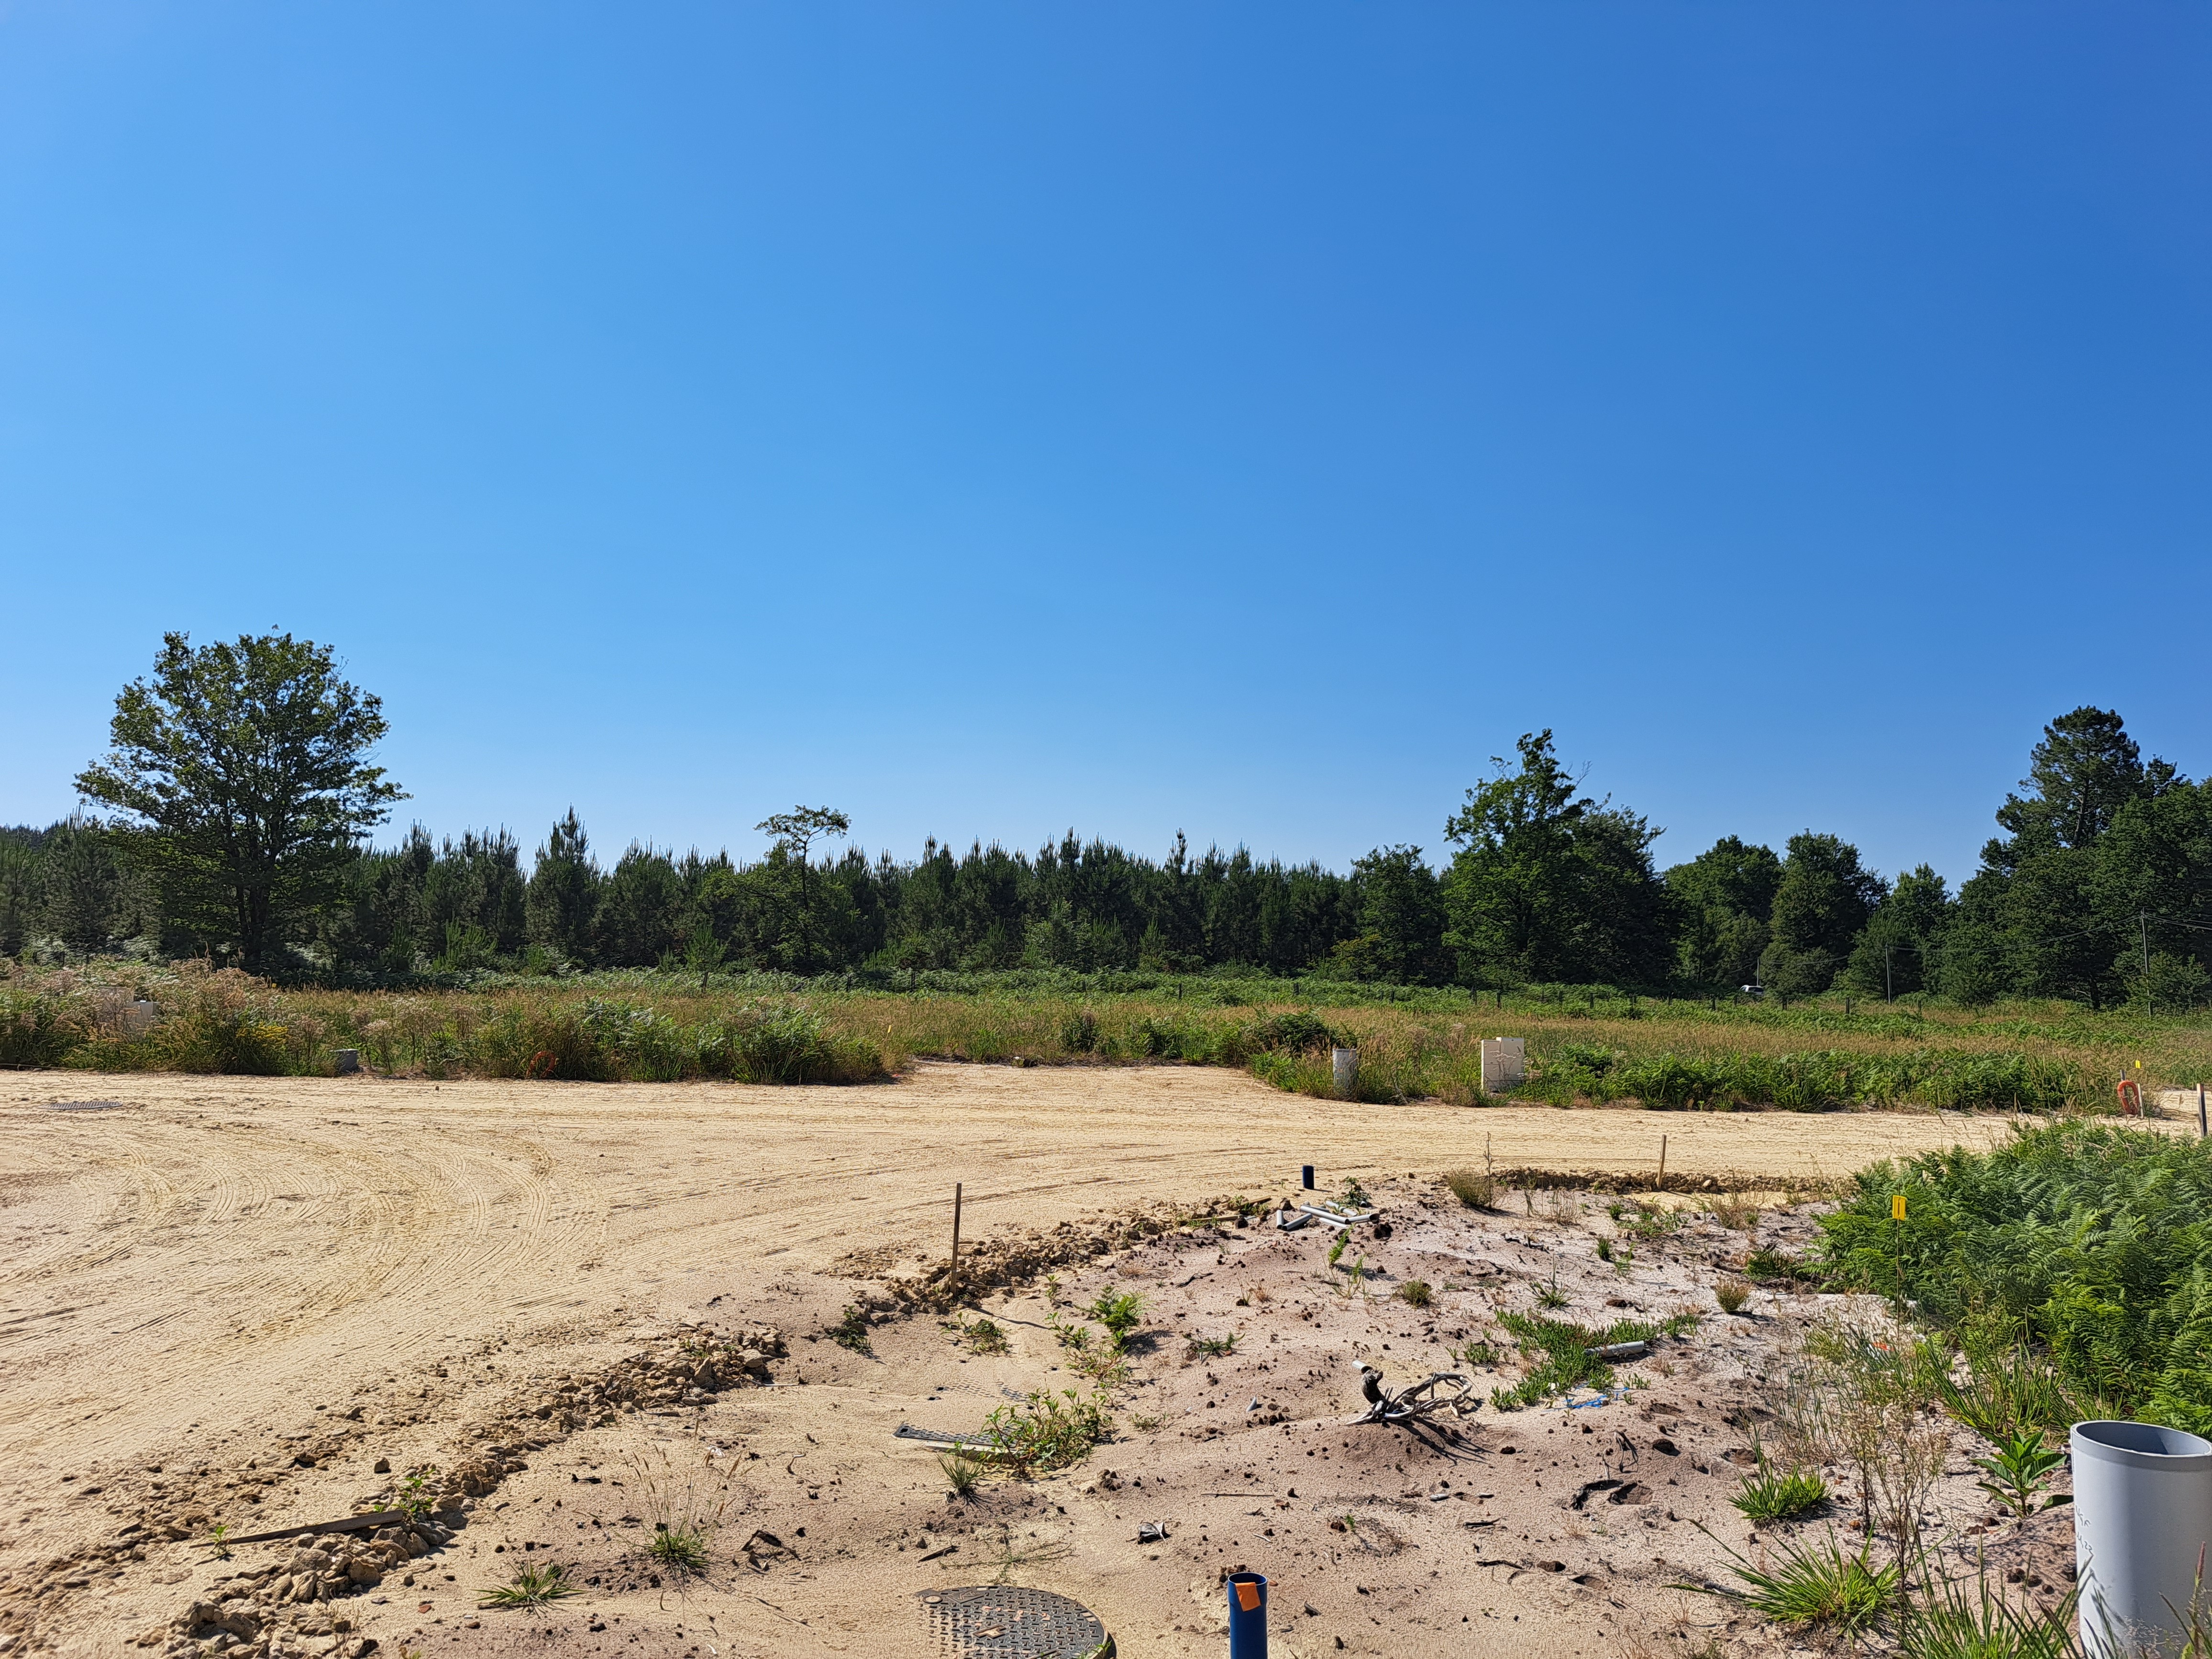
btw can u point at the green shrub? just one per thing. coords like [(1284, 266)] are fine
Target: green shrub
[(1121, 1312), (1765, 1265), (2090, 1238), (1046, 1431), (1296, 1032), (40, 1028)]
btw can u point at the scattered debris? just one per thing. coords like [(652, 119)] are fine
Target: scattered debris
[(368, 1523), (1441, 1391)]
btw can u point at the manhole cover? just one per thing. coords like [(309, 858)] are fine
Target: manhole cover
[(1004, 1621)]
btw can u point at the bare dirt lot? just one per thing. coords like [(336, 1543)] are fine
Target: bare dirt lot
[(254, 1303)]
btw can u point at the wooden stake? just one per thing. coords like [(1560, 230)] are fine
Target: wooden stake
[(1485, 1154), (956, 1227), (1662, 1163)]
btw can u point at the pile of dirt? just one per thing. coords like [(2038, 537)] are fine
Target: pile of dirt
[(263, 1613)]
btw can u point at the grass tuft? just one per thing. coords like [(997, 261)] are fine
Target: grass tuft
[(533, 1587), (1768, 1494), (960, 1473), (1816, 1584), (682, 1550), (1473, 1188)]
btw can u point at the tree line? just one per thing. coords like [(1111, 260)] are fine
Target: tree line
[(241, 800)]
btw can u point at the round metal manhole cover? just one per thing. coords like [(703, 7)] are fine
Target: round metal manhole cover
[(1004, 1621)]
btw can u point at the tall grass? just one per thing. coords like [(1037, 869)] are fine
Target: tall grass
[(1412, 1044)]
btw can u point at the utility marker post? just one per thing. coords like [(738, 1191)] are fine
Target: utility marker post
[(1897, 1221), (1662, 1163), (955, 1229)]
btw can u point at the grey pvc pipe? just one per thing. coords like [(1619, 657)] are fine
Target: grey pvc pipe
[(2142, 1520), (1344, 1063)]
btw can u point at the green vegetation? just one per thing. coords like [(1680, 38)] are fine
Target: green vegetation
[(1550, 922), (2007, 1390), (1415, 1293), (1120, 1311), (1766, 1266), (1732, 1294), (960, 1473), (1817, 1584), (984, 1336), (241, 781), (680, 1549), (415, 1494), (1211, 1347), (533, 1587), (2087, 1239), (1558, 1358), (1046, 1431), (1770, 1494), (243, 768), (2018, 1470), (659, 1027), (852, 1331), (1948, 1621)]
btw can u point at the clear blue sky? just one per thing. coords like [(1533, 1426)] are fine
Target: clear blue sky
[(1239, 418)]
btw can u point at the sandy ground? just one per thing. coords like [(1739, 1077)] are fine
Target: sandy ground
[(202, 1275)]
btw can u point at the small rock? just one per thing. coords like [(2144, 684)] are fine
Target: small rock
[(383, 1466)]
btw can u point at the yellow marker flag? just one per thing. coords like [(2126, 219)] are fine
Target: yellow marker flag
[(1897, 1206)]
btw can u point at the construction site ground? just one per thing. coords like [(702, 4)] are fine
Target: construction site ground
[(251, 1304)]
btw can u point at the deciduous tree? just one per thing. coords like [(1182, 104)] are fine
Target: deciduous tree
[(244, 767)]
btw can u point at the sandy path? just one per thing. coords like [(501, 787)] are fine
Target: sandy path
[(216, 1252)]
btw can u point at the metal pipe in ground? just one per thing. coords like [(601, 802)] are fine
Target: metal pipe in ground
[(1248, 1615), (1344, 1065), (2142, 1519)]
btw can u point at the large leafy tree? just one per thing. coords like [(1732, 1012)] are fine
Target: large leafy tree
[(1823, 899), (1549, 885), (1901, 948), (1400, 915), (1723, 898), (243, 767)]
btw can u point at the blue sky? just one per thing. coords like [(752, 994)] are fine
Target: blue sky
[(1243, 419)]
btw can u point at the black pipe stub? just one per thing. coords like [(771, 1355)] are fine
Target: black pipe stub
[(1009, 1621), (1306, 1176)]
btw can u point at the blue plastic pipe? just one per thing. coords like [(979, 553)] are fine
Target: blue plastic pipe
[(1248, 1615)]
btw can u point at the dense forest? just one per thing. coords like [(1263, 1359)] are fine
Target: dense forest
[(2091, 892)]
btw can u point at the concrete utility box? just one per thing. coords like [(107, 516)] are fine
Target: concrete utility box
[(1344, 1071), (1505, 1063)]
